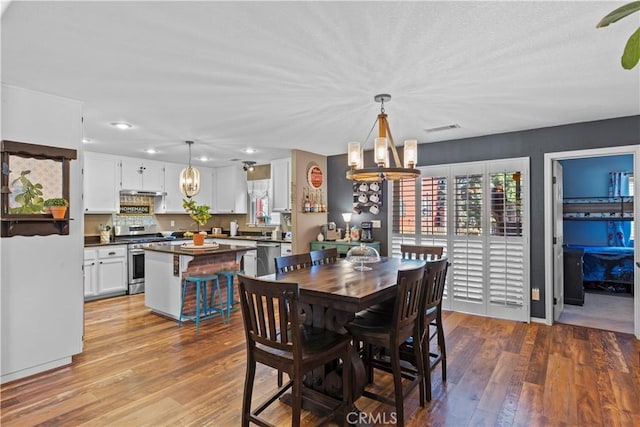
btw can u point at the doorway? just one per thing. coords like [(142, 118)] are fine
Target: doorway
[(593, 301)]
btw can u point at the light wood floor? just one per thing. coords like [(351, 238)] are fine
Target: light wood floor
[(139, 369)]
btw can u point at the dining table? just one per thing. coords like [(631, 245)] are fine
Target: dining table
[(330, 296)]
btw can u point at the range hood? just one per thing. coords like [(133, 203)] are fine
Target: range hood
[(142, 193)]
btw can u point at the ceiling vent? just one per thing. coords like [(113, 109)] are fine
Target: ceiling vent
[(441, 128)]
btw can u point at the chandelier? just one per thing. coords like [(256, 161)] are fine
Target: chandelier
[(190, 178), (384, 141)]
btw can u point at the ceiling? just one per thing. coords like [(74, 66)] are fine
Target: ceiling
[(276, 76)]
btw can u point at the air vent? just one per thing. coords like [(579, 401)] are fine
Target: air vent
[(441, 128)]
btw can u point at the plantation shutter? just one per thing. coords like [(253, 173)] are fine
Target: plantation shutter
[(478, 212)]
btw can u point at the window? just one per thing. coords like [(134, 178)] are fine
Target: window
[(477, 212)]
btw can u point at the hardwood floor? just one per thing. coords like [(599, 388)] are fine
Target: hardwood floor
[(140, 369)]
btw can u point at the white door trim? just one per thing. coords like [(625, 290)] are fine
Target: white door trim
[(548, 221)]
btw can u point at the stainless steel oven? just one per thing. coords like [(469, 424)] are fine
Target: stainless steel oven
[(136, 238), (135, 267)]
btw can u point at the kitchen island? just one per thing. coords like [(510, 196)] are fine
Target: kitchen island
[(166, 265)]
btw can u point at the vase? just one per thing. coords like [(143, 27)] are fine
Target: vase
[(58, 212), (198, 239)]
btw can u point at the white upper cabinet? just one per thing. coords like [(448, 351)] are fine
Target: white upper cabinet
[(230, 190), (101, 183), (281, 181), (173, 199), (139, 174)]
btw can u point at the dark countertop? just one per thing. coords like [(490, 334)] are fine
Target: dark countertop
[(204, 251), (93, 241)]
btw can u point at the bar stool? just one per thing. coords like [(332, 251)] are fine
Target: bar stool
[(229, 275), (208, 309)]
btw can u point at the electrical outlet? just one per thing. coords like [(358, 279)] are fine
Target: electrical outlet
[(376, 223), (535, 294), (173, 223)]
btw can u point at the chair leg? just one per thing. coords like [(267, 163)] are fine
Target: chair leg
[(397, 383), (426, 365), (296, 400), (418, 349), (441, 344), (248, 390)]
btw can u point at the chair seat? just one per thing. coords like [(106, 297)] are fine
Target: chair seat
[(314, 341)]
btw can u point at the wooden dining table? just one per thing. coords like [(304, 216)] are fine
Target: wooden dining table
[(330, 296)]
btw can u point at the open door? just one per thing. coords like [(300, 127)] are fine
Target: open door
[(558, 240)]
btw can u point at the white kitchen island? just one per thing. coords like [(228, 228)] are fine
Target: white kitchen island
[(167, 265)]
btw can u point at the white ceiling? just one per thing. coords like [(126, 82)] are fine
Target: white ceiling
[(281, 75)]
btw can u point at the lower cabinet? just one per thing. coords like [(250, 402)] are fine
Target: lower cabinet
[(342, 247), (105, 271), (285, 249)]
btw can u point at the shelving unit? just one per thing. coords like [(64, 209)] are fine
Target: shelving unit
[(598, 208)]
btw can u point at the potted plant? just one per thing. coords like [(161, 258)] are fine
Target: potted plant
[(200, 214), (57, 206)]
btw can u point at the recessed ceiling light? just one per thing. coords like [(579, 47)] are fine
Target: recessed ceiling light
[(441, 128), (122, 125), (150, 151), (86, 140), (204, 159), (250, 150)]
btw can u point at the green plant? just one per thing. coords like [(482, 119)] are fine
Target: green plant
[(631, 54), (199, 213), (29, 197), (56, 202)]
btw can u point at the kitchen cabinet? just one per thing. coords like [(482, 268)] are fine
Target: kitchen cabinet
[(139, 174), (101, 183), (281, 182), (230, 190), (105, 271)]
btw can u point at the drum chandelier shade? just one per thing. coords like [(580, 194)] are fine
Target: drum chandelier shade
[(190, 178), (384, 141)]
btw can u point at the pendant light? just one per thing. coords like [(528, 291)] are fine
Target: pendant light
[(384, 141), (190, 178)]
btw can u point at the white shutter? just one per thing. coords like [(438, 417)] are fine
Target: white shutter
[(479, 213)]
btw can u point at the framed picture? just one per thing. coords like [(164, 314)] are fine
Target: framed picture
[(315, 177)]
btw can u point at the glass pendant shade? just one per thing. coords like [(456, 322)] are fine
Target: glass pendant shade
[(190, 181), (355, 155), (380, 148), (410, 153)]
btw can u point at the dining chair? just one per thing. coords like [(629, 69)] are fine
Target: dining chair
[(292, 262), (324, 256), (421, 252), (275, 337), (435, 278), (375, 329)]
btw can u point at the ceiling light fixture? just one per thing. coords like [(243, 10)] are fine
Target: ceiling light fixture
[(190, 178), (382, 172), (150, 151), (122, 125), (248, 165), (249, 150)]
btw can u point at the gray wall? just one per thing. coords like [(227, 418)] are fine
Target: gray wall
[(531, 143)]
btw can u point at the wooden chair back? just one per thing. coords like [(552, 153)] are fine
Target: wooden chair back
[(435, 278), (421, 252), (268, 308), (324, 256), (408, 301), (292, 262)]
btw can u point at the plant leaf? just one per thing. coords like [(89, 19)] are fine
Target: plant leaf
[(619, 13), (631, 53)]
